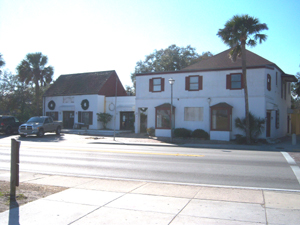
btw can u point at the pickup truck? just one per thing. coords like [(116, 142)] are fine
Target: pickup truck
[(39, 125)]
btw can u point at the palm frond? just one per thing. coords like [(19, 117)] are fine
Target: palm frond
[(257, 125)]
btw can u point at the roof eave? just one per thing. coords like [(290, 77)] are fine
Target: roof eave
[(269, 66)]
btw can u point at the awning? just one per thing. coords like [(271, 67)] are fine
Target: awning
[(289, 78), (67, 108)]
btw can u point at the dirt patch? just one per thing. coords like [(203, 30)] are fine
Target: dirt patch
[(25, 193)]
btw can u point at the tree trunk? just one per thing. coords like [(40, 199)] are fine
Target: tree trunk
[(37, 94), (244, 69)]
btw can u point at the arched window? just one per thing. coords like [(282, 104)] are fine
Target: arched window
[(163, 116), (269, 82), (221, 117)]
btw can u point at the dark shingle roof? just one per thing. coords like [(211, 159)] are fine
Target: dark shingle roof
[(222, 61), (79, 84)]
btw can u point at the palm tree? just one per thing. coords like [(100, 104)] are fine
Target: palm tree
[(33, 69), (2, 63), (238, 32)]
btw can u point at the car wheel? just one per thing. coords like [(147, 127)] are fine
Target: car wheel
[(22, 135), (8, 130), (40, 133), (58, 130)]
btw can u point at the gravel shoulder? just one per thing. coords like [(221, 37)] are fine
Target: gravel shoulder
[(25, 193)]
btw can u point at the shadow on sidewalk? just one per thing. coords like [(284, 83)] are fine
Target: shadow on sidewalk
[(14, 215)]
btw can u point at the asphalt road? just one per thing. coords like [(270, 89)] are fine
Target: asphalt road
[(81, 156)]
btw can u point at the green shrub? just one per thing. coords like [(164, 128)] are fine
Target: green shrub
[(104, 118), (151, 131), (240, 139), (182, 132), (199, 133), (257, 125)]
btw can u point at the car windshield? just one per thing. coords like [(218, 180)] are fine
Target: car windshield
[(36, 120)]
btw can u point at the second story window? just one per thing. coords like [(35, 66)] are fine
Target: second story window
[(193, 83), (269, 82), (234, 81), (156, 84)]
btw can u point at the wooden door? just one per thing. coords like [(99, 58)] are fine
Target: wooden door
[(268, 124), (68, 119)]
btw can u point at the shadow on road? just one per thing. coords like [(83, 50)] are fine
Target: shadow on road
[(45, 138), (3, 135)]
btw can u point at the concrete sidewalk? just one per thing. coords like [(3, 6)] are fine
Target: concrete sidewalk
[(105, 137), (105, 201)]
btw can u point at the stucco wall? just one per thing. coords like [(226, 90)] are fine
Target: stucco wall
[(214, 88), (73, 103), (97, 104), (124, 104)]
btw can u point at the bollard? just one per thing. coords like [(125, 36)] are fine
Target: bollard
[(294, 139), (14, 167)]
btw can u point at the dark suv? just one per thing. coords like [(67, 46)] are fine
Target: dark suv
[(9, 124)]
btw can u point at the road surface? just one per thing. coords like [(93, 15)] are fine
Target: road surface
[(82, 156)]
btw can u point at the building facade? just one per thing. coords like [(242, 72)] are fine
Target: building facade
[(75, 99), (209, 95)]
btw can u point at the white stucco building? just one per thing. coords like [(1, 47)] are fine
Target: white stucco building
[(75, 99), (209, 95)]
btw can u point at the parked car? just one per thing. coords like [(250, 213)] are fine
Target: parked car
[(9, 124), (39, 125)]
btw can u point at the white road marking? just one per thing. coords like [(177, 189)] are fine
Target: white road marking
[(293, 164), (288, 158)]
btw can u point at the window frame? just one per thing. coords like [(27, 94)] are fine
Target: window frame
[(80, 116), (188, 83), (55, 118), (168, 108), (162, 84), (229, 81), (229, 117), (200, 111), (269, 82)]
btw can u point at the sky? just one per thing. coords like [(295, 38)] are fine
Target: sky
[(98, 35)]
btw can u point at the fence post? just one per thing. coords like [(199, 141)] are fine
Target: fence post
[(14, 167)]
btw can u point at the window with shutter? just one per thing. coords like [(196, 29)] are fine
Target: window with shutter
[(193, 83), (234, 81), (156, 84)]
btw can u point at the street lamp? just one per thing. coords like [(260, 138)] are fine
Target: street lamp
[(171, 81)]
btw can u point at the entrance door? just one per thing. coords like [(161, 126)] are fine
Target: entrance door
[(68, 119), (268, 128), (143, 120), (127, 121)]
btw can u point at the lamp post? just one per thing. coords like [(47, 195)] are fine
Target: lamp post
[(171, 81)]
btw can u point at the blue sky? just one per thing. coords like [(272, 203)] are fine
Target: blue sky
[(97, 35)]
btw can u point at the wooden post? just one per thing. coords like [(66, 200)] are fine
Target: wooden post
[(294, 139), (14, 167)]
